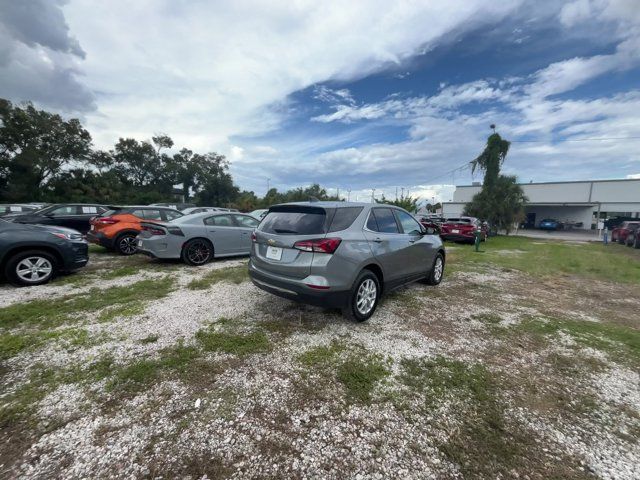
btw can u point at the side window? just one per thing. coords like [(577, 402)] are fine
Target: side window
[(385, 220), (343, 218), (371, 222), (138, 213), (246, 221), (170, 215), (409, 224), (219, 221), (65, 210), (89, 209), (152, 215)]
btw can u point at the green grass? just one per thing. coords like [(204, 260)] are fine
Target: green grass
[(360, 374), (321, 355), (234, 343), (123, 271), (548, 258), (54, 312), (12, 344), (234, 275), (149, 339), (357, 370), (615, 340)]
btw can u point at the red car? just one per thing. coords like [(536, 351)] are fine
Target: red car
[(430, 223), (462, 229), (619, 234), (633, 237)]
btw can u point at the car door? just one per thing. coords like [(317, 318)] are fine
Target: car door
[(246, 226), (387, 243), (223, 233), (84, 214), (418, 255), (63, 216)]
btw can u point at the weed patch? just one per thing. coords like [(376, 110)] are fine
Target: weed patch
[(234, 275), (235, 343)]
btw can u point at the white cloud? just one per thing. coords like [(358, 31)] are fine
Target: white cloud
[(633, 176), (207, 71)]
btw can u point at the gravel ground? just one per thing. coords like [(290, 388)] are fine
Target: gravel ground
[(266, 415)]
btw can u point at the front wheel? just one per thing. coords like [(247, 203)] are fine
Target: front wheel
[(364, 297), (437, 271), (197, 252), (30, 268)]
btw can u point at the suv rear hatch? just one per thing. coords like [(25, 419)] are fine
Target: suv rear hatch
[(280, 229)]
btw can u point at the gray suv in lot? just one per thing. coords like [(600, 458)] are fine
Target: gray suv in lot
[(342, 255)]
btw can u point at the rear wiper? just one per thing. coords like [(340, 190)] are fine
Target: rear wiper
[(279, 230)]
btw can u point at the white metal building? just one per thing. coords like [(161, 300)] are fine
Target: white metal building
[(574, 203)]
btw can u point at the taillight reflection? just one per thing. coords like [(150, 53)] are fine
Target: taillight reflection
[(318, 245)]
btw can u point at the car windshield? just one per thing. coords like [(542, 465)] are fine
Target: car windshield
[(458, 220), (294, 220)]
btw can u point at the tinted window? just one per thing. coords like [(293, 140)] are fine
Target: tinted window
[(295, 220), (408, 223), (219, 221), (385, 220), (171, 215), (65, 210), (152, 215), (371, 222), (246, 221), (343, 218)]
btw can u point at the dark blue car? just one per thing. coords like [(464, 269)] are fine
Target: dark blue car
[(549, 224)]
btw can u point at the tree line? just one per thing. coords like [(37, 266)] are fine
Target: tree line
[(45, 158)]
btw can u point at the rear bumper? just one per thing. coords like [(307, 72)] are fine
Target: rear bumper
[(298, 291), (164, 247), (457, 237), (100, 239)]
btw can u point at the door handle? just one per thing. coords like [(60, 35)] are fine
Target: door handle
[(412, 241), (212, 230), (378, 240)]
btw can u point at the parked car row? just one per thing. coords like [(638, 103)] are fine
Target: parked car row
[(456, 229), (627, 233), (335, 254)]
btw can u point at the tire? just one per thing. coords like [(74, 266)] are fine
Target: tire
[(125, 244), (366, 288), (197, 252), (437, 271), (21, 268), (620, 241)]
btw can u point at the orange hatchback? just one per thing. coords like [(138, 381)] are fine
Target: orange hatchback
[(117, 228)]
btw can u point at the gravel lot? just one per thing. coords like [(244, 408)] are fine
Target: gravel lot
[(494, 373)]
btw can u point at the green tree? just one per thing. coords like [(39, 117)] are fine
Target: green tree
[(35, 146), (501, 200), (410, 204), (216, 187)]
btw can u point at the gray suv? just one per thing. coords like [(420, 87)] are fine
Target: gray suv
[(342, 255)]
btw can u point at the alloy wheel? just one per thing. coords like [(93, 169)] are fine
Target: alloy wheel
[(128, 245), (366, 297), (33, 269), (198, 253), (438, 268)]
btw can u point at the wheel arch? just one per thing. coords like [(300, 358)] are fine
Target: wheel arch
[(198, 237), (26, 248), (377, 271)]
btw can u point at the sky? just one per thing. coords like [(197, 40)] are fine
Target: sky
[(355, 96)]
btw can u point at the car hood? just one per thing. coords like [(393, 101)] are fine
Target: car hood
[(48, 228)]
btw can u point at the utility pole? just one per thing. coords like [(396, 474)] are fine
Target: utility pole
[(268, 184), (338, 195), (373, 195), (396, 194), (348, 194), (402, 194)]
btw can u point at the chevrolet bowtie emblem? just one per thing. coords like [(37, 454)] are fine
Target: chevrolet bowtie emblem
[(271, 241)]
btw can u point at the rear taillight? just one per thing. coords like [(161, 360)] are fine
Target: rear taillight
[(318, 245), (105, 221), (153, 230), (253, 237)]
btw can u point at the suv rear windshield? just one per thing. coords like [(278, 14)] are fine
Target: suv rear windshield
[(295, 220)]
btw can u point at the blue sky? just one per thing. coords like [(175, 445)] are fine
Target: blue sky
[(352, 96)]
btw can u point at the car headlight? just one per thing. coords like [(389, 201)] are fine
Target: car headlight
[(68, 236)]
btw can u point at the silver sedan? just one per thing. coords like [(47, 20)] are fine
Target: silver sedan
[(198, 238)]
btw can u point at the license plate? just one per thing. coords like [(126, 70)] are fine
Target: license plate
[(455, 231), (139, 243), (92, 227), (274, 253)]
